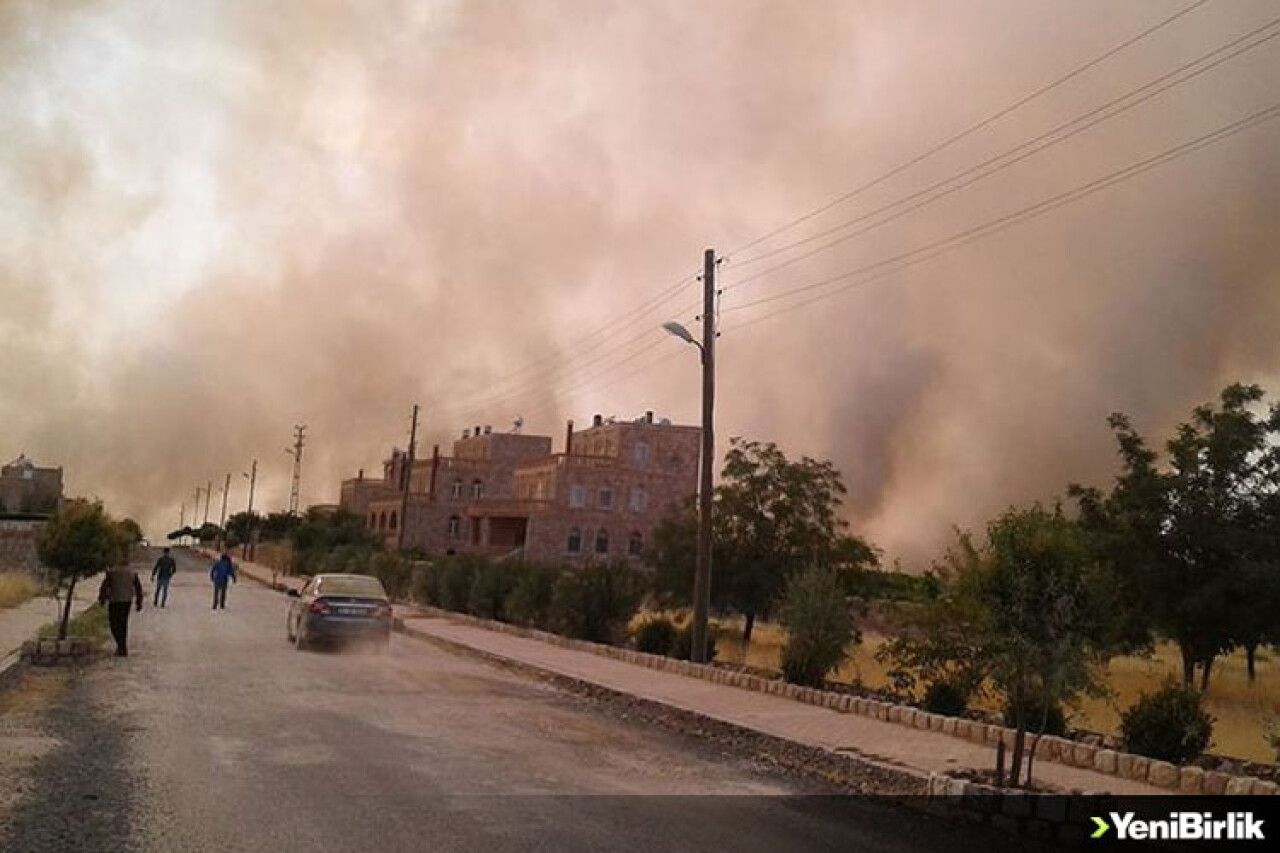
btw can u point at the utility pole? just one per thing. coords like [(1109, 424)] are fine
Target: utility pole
[(208, 493), (182, 520), (299, 441), (222, 522), (195, 511), (406, 477), (702, 578), (253, 481)]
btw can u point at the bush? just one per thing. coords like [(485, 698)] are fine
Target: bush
[(655, 636), (1170, 725), (490, 587), (1033, 712), (945, 698), (456, 577), (530, 600), (815, 615), (423, 586), (393, 571), (683, 646), (595, 602)]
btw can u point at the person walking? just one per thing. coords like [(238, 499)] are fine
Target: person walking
[(120, 589), (222, 573), (162, 573)]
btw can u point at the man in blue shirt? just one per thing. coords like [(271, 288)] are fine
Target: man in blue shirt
[(222, 573)]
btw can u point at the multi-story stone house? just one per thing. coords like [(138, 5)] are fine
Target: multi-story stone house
[(508, 493), (27, 488)]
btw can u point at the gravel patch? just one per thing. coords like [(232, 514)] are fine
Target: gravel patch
[(78, 794)]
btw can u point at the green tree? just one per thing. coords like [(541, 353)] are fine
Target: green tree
[(771, 516), (80, 542), (131, 530), (240, 527), (1181, 540)]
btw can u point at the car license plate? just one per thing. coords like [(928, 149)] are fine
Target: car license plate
[(350, 611)]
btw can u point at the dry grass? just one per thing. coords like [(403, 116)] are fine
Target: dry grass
[(17, 588), (1241, 710)]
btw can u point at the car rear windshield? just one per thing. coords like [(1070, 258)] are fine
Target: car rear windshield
[(363, 587)]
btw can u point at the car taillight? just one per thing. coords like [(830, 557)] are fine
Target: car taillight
[(319, 606)]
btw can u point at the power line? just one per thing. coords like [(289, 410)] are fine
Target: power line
[(1028, 149), (986, 229), (972, 129)]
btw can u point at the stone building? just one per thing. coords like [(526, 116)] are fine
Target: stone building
[(28, 488), (503, 494)]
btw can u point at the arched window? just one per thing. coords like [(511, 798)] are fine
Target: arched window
[(575, 541), (382, 521), (477, 490), (393, 520), (602, 541), (456, 493), (455, 527), (635, 545), (373, 521)]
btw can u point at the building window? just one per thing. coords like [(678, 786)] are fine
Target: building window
[(602, 541), (635, 545), (382, 521), (641, 452), (393, 520), (477, 490), (605, 499), (577, 497), (638, 498), (455, 527), (575, 541), (373, 521), (456, 494)]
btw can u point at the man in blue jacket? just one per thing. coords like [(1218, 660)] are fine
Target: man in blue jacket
[(222, 573)]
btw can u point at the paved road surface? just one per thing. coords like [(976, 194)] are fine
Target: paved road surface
[(216, 735)]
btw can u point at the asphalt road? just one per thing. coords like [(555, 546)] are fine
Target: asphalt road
[(217, 735)]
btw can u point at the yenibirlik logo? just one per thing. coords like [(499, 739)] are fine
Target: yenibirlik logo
[(1183, 826)]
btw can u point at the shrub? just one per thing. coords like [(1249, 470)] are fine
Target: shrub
[(1170, 724), (393, 571), (816, 617), (530, 600), (595, 601), (945, 698), (490, 587), (423, 586), (683, 646), (456, 577), (655, 636), (1033, 712)]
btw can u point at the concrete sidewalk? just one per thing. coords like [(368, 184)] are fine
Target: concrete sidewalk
[(19, 624), (900, 746)]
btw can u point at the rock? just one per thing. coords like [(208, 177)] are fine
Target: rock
[(1191, 780), (1238, 786), (1215, 782), (949, 725), (1105, 761), (1162, 774), (1082, 755), (1265, 788)]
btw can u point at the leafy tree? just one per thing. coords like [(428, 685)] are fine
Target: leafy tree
[(240, 527), (1170, 724), (131, 530), (771, 516), (596, 601), (279, 526), (1190, 544), (80, 542)]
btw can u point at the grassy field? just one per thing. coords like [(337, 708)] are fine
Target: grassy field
[(1241, 710), (17, 588)]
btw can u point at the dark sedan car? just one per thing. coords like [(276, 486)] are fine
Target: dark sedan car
[(339, 608)]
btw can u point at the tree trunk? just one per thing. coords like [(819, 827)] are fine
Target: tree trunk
[(1019, 744), (747, 628), (66, 610), (1204, 673), (1250, 659), (1031, 753), (1188, 665)]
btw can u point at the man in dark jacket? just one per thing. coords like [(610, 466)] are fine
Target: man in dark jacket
[(222, 573), (162, 573), (120, 589)]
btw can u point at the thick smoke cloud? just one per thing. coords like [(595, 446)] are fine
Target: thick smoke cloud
[(222, 219)]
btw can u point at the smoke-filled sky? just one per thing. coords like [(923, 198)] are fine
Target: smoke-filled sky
[(220, 219)]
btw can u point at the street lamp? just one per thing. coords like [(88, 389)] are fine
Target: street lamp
[(702, 574)]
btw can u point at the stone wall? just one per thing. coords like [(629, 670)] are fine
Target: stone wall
[(18, 545)]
